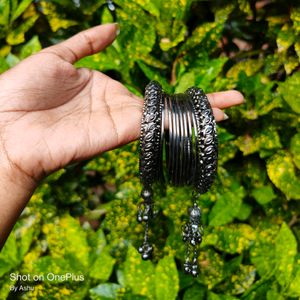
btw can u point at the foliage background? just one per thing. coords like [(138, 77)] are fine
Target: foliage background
[(82, 219)]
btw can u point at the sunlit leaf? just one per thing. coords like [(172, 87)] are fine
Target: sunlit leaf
[(30, 47), (264, 194), (289, 90), (166, 279), (103, 265), (281, 171), (17, 36), (20, 9), (105, 291), (139, 275), (295, 149), (227, 206), (4, 12), (285, 251)]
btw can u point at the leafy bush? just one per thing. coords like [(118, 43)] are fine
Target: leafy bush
[(82, 219)]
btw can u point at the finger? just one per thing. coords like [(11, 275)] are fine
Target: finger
[(85, 43), (219, 114), (225, 99)]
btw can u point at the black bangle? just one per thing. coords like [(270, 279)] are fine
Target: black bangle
[(191, 151)]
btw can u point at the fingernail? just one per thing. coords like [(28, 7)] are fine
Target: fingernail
[(117, 29), (225, 117)]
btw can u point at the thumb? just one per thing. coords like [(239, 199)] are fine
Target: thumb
[(85, 43)]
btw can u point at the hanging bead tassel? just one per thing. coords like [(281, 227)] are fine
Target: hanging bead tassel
[(192, 232), (145, 214)]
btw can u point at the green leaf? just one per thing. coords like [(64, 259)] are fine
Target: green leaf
[(273, 293), (196, 292), (136, 38), (30, 47), (233, 238), (285, 250), (285, 38), (6, 283), (281, 171), (20, 9), (212, 269), (213, 296), (66, 239), (105, 291), (154, 74), (290, 64), (166, 279), (17, 36), (103, 265), (227, 206), (289, 90), (264, 194), (295, 17), (167, 43), (26, 233), (9, 255), (106, 16), (152, 6), (12, 60), (4, 12), (187, 80), (294, 287), (202, 37), (244, 212), (139, 275), (209, 71), (249, 66), (265, 139), (264, 243), (48, 265), (56, 21), (295, 149), (242, 279), (3, 65)]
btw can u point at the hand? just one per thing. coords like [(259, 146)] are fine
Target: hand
[(53, 114)]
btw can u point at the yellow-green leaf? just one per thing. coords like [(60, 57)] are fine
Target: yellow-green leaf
[(166, 279), (295, 17), (295, 149), (17, 36), (285, 249), (139, 275), (30, 47), (264, 194), (103, 265), (281, 171), (4, 12), (285, 38), (67, 239), (290, 91), (227, 206), (20, 9), (294, 287)]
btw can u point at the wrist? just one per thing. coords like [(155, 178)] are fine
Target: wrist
[(15, 192), (13, 179)]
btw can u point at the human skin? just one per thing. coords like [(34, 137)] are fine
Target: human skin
[(53, 114)]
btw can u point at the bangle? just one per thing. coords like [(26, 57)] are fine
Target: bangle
[(190, 147)]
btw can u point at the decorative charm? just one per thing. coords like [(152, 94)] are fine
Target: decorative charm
[(183, 126)]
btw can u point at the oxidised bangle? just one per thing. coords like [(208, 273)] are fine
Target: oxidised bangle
[(191, 151)]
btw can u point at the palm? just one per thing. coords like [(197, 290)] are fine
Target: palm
[(82, 113), (56, 114)]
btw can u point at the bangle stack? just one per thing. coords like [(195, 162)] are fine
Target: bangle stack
[(182, 129)]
